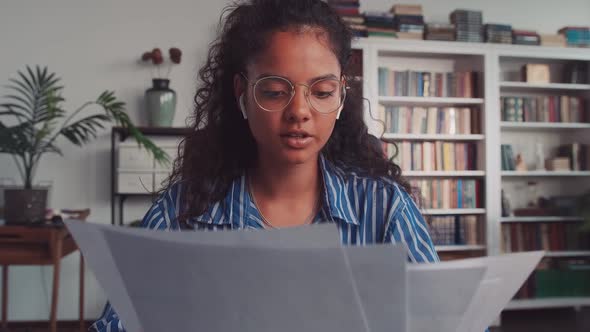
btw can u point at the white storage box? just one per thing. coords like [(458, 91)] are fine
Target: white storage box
[(135, 182), (132, 156)]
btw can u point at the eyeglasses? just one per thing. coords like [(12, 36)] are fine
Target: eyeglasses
[(274, 93)]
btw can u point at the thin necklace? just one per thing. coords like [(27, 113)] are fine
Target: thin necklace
[(308, 219)]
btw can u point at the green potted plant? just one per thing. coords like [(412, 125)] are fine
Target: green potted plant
[(32, 119)]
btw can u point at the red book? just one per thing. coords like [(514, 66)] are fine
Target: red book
[(552, 114)]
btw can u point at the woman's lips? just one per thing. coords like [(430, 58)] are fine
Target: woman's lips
[(296, 141)]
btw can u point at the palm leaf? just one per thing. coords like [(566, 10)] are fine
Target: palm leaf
[(15, 139), (84, 130), (116, 111)]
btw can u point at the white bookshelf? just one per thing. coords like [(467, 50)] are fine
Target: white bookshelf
[(523, 137), (539, 219), (493, 60), (518, 126), (444, 174), (536, 173), (452, 248), (544, 86), (433, 137), (429, 101), (545, 303)]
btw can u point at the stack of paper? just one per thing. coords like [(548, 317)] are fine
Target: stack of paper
[(290, 280)]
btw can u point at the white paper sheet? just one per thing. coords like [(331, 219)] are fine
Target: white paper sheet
[(439, 295), (380, 276), (195, 287), (505, 274), (290, 280), (372, 267), (98, 257)]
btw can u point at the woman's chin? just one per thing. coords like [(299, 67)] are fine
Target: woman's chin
[(297, 157)]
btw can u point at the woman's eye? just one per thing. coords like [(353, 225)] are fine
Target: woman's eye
[(273, 93), (323, 94)]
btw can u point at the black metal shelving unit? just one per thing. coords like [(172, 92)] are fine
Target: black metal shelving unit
[(120, 134)]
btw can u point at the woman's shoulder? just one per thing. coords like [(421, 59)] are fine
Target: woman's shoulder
[(362, 187), (163, 213)]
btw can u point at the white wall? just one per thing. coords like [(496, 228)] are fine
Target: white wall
[(94, 45)]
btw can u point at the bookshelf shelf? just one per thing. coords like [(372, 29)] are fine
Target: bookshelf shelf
[(438, 137), (540, 219), (459, 248), (544, 173), (429, 101), (573, 253), (544, 86), (444, 173), (543, 125), (564, 302), (438, 212)]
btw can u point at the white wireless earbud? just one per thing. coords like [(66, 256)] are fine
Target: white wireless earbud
[(242, 106), (341, 106), (339, 111)]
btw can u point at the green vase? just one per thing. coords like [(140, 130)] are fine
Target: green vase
[(161, 103)]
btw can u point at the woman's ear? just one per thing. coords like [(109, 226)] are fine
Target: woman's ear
[(239, 86), (239, 92)]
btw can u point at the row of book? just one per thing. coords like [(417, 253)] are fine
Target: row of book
[(576, 36), (554, 236), (433, 156), (439, 31), (498, 33), (449, 193), (558, 279), (544, 109), (408, 21), (455, 230), (468, 25), (431, 120), (379, 24), (428, 84), (350, 14)]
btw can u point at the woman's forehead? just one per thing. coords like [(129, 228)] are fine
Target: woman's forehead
[(298, 55)]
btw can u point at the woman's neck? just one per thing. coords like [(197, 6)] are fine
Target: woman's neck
[(281, 181)]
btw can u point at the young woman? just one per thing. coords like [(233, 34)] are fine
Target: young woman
[(279, 139)]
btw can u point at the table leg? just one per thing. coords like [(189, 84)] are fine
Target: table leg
[(5, 298), (56, 269), (81, 305)]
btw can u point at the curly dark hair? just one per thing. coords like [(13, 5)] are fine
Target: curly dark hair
[(221, 147)]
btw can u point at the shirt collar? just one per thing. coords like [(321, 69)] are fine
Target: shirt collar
[(235, 207), (336, 198)]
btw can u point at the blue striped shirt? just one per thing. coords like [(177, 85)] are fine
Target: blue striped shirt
[(367, 210)]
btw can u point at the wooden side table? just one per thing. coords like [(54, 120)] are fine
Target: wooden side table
[(38, 245)]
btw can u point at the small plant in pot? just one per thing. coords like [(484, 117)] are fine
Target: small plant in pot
[(32, 119)]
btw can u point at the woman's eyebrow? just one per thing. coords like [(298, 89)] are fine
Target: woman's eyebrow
[(310, 81)]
